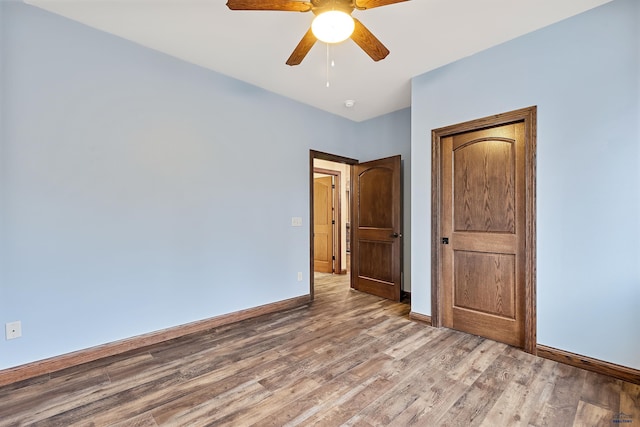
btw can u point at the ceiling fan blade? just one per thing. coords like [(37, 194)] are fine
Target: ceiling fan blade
[(305, 45), (370, 4), (368, 42), (282, 5)]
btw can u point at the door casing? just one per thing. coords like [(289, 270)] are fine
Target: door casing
[(528, 117)]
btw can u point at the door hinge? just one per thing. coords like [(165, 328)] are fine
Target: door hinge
[(333, 257), (333, 221)]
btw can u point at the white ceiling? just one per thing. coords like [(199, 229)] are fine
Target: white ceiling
[(253, 46)]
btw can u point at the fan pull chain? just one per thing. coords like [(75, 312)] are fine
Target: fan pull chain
[(328, 65), (329, 62)]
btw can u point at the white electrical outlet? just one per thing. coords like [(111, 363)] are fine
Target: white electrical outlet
[(13, 330), (299, 276)]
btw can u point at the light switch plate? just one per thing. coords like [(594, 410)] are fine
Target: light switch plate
[(296, 221)]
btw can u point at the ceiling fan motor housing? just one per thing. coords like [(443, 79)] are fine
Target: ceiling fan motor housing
[(320, 6)]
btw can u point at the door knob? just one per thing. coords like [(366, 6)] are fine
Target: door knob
[(396, 235), (445, 240)]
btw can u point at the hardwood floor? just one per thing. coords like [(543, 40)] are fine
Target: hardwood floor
[(348, 359)]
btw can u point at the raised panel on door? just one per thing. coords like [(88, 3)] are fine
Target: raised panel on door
[(485, 282), (484, 185)]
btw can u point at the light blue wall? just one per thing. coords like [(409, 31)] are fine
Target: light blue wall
[(584, 76), (139, 192)]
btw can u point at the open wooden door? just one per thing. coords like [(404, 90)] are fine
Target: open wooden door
[(323, 224), (377, 241)]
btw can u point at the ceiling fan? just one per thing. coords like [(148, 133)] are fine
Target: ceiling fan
[(360, 34)]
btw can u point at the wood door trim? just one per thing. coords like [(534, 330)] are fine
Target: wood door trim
[(337, 202), (313, 154), (528, 117)]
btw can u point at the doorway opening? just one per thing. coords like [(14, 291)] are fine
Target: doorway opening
[(330, 215), (374, 236)]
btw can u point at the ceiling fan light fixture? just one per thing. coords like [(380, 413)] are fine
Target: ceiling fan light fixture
[(333, 26)]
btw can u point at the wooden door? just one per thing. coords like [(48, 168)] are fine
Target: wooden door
[(377, 242), (483, 232), (323, 224)]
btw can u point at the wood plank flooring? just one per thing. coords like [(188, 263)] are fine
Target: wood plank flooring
[(348, 359)]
